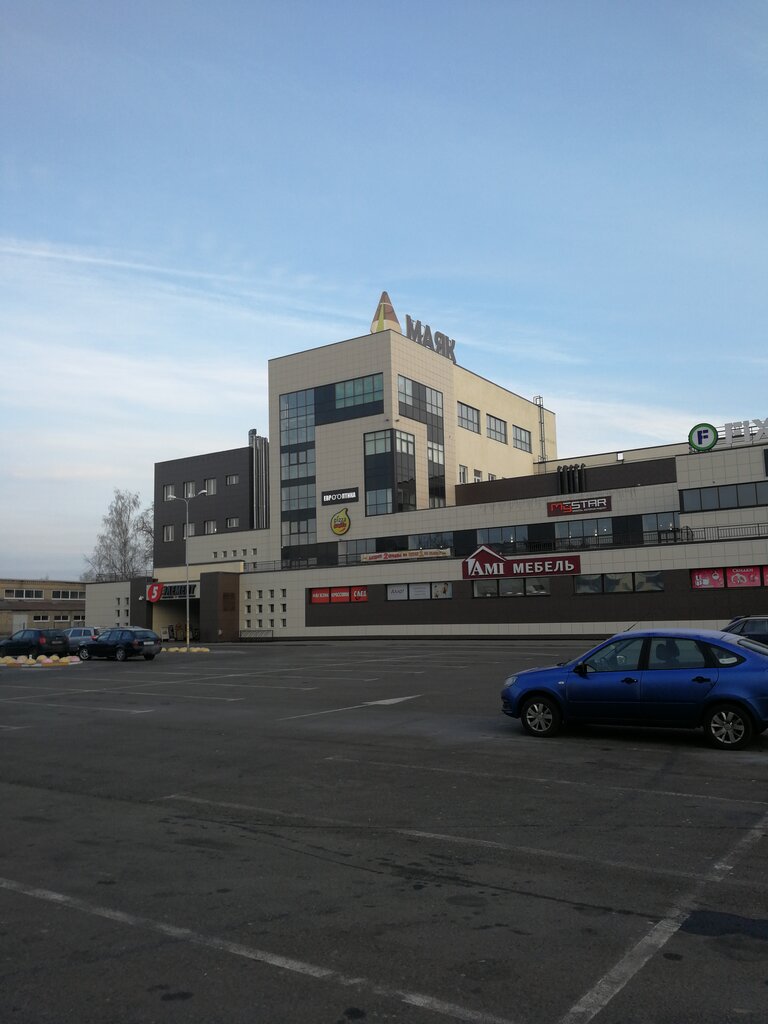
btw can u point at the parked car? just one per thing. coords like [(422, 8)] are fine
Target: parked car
[(121, 643), (685, 678), (753, 626), (77, 634), (33, 642)]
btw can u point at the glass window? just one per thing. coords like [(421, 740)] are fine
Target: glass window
[(537, 586), (189, 488), (360, 391), (209, 526), (232, 479), (588, 583), (463, 474), (485, 588), (691, 500), (209, 485), (478, 476), (728, 496), (233, 522), (469, 417), (405, 443), (378, 502), (496, 428), (187, 532), (675, 652), (169, 492), (746, 495), (649, 580), (616, 656), (724, 658), (521, 438), (511, 588), (377, 442), (708, 498), (167, 533), (617, 582)]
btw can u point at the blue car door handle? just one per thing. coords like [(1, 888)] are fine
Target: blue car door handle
[(702, 679), (628, 679)]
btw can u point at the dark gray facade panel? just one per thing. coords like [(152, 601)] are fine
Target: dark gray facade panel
[(677, 601), (547, 485), (233, 501)]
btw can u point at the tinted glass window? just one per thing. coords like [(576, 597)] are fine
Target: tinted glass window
[(671, 652), (618, 656), (723, 657)]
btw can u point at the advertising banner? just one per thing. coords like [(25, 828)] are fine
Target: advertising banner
[(744, 576), (486, 563), (707, 579)]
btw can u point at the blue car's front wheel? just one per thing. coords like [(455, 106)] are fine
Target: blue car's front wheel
[(540, 716)]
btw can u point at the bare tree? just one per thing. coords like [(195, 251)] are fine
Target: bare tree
[(124, 546)]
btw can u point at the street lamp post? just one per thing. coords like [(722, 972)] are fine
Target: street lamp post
[(186, 542)]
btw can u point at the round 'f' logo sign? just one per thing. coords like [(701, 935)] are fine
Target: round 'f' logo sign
[(703, 437)]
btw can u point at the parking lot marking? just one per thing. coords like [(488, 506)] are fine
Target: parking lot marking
[(633, 961), (532, 851), (549, 781), (283, 963), (352, 707), (77, 707)]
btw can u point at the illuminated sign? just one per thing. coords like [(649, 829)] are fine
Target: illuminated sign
[(154, 592), (337, 595), (171, 591), (340, 522), (576, 506), (440, 343), (485, 563), (703, 437), (403, 556), (342, 494)]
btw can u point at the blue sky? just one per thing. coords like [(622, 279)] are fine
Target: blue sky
[(574, 191)]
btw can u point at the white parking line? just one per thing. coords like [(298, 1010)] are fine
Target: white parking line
[(440, 837), (460, 1013), (633, 961), (549, 781), (78, 707)]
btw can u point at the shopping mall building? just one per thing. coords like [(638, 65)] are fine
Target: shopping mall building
[(402, 495)]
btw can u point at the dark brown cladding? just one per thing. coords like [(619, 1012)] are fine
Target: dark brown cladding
[(599, 478)]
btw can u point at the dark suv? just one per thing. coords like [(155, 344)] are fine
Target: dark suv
[(35, 641), (121, 642), (755, 627)]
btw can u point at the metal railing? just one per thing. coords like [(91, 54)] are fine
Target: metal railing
[(652, 538)]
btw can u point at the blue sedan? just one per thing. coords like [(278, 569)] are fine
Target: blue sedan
[(686, 678)]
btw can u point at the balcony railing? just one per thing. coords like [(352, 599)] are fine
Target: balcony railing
[(653, 538)]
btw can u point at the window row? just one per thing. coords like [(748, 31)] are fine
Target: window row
[(37, 595), (26, 595), (359, 391), (710, 499), (210, 526), (189, 487)]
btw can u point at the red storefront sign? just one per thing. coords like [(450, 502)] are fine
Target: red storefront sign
[(359, 593), (154, 592), (319, 595), (339, 595), (743, 576), (707, 579), (578, 506), (487, 564)]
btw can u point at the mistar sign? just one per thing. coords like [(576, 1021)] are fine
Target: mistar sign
[(441, 343)]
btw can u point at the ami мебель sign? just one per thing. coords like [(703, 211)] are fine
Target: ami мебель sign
[(488, 564)]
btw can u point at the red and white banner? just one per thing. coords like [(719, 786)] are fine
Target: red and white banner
[(488, 564)]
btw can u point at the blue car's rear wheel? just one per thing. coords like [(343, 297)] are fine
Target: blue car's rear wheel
[(540, 716), (729, 727)]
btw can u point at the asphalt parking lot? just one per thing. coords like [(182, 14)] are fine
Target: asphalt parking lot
[(322, 833)]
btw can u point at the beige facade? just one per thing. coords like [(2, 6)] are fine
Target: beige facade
[(43, 604)]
